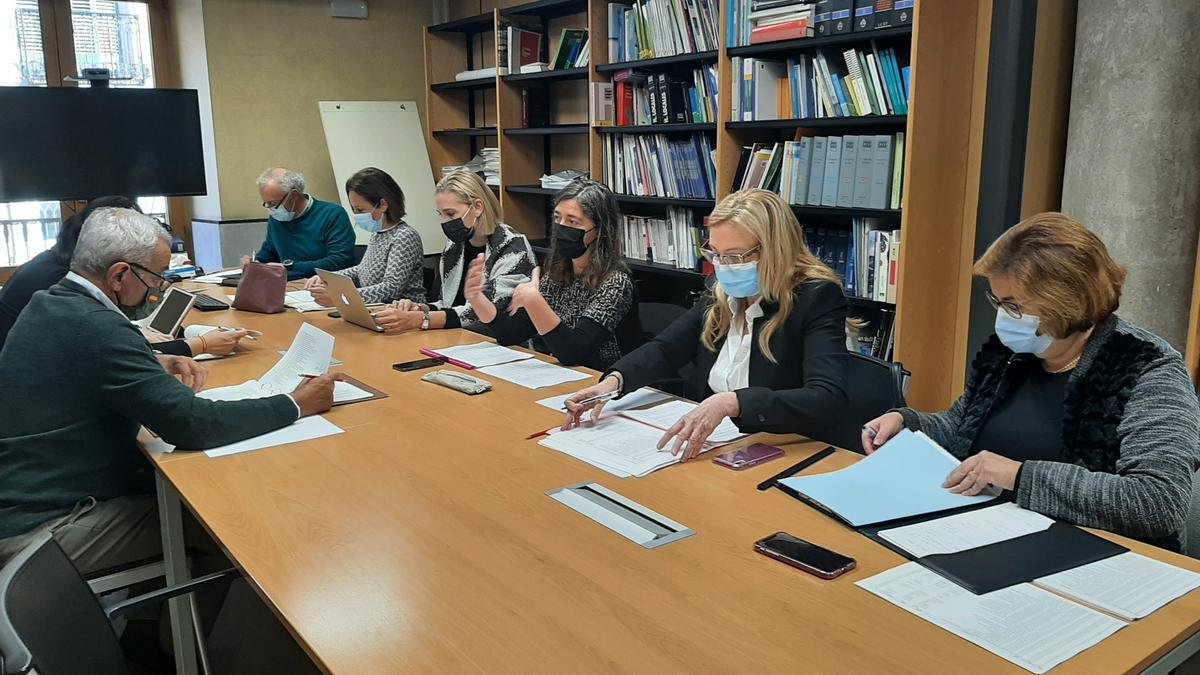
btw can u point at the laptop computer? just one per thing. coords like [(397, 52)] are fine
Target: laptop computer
[(348, 301)]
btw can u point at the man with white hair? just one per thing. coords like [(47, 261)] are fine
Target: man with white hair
[(77, 380), (303, 233)]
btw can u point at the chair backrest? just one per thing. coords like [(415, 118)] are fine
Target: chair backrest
[(50, 622), (656, 316), (873, 387), (1191, 538)]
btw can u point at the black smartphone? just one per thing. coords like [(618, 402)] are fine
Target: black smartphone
[(802, 555), (409, 366)]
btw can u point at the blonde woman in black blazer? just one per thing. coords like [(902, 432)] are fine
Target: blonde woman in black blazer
[(767, 347)]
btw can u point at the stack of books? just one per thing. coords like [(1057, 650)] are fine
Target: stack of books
[(573, 49), (853, 83), (642, 97), (486, 164), (653, 165), (518, 48), (668, 241), (853, 171), (647, 29), (756, 21)]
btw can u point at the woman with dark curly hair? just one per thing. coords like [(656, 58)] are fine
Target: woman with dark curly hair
[(1084, 416)]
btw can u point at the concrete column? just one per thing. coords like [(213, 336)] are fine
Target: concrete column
[(1133, 150)]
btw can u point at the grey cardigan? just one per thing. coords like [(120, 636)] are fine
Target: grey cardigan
[(1131, 434)]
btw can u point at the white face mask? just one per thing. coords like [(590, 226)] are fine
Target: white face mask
[(279, 212), (1020, 335)]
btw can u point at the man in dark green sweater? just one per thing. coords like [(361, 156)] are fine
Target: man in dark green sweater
[(78, 380), (307, 232)]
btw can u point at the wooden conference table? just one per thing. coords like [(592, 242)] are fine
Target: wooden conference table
[(421, 540)]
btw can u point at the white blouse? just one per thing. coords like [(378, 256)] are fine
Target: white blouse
[(732, 368)]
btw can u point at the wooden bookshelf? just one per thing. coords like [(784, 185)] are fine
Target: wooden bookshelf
[(943, 133)]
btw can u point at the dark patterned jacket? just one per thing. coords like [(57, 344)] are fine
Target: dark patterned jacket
[(1131, 434), (508, 262)]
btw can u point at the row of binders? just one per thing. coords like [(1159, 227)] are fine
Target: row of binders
[(750, 22), (855, 83), (653, 165), (643, 97), (670, 241), (853, 171), (866, 257), (647, 29)]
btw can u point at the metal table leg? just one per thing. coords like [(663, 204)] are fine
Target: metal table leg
[(170, 517)]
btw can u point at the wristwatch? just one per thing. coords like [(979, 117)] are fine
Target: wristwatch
[(425, 320)]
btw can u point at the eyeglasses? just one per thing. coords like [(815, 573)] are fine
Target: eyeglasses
[(728, 258), (163, 284), (1010, 308), (279, 203)]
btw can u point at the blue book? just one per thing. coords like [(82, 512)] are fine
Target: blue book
[(895, 82), (904, 72), (694, 101), (899, 480), (697, 174), (843, 102), (851, 267)]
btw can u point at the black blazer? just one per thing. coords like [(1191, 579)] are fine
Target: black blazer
[(800, 393)]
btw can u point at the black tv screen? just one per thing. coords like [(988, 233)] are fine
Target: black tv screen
[(60, 143)]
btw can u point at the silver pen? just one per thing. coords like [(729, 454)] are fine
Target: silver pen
[(596, 399)]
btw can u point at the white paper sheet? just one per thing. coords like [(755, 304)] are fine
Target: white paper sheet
[(197, 330), (533, 374), (217, 277), (1028, 626), (1128, 585), (967, 530), (305, 429), (620, 446), (344, 392), (665, 415), (482, 354), (310, 353), (641, 397), (235, 392), (302, 301)]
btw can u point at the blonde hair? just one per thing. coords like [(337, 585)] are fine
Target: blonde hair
[(1061, 267), (784, 262), (467, 187)]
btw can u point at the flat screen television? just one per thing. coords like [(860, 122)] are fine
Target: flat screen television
[(62, 143)]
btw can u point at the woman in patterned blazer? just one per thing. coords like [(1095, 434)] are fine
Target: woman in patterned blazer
[(471, 221)]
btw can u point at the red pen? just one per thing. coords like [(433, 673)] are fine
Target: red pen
[(545, 432), (434, 355)]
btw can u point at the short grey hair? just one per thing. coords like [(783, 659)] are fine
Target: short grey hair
[(112, 235), (286, 179)]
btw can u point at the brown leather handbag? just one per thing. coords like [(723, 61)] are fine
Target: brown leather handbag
[(262, 288)]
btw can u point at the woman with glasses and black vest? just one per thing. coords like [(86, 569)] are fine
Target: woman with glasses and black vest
[(1083, 416), (767, 347), (580, 307)]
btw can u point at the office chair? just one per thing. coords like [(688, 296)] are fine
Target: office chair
[(874, 386), (52, 624), (655, 317)]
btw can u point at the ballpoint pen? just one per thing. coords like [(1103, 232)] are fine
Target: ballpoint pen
[(596, 399)]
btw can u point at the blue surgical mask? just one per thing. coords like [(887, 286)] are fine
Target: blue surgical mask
[(366, 223), (281, 214), (739, 280), (1021, 335)]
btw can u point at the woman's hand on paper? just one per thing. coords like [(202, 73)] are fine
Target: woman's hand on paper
[(981, 470), (575, 410), (884, 427), (694, 428)]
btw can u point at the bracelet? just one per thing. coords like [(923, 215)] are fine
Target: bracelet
[(203, 345)]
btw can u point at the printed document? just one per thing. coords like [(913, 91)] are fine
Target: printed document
[(967, 530), (641, 397), (482, 354), (1028, 626), (666, 415), (1129, 585), (620, 446), (533, 374)]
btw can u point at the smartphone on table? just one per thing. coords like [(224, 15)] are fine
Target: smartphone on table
[(419, 364), (803, 555), (751, 455)]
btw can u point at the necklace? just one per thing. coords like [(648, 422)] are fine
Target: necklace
[(1074, 362)]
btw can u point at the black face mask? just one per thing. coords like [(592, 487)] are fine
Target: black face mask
[(570, 241), (457, 231)]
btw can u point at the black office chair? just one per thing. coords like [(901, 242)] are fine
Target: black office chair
[(52, 624), (874, 386), (655, 317)]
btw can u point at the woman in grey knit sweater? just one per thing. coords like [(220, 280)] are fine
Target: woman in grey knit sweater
[(391, 266), (1082, 415)]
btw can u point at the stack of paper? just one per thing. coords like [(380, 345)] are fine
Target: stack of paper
[(482, 354), (310, 353), (901, 479), (217, 277), (1129, 585), (305, 429), (533, 374), (1026, 625), (968, 530), (666, 415), (618, 445), (302, 301)]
